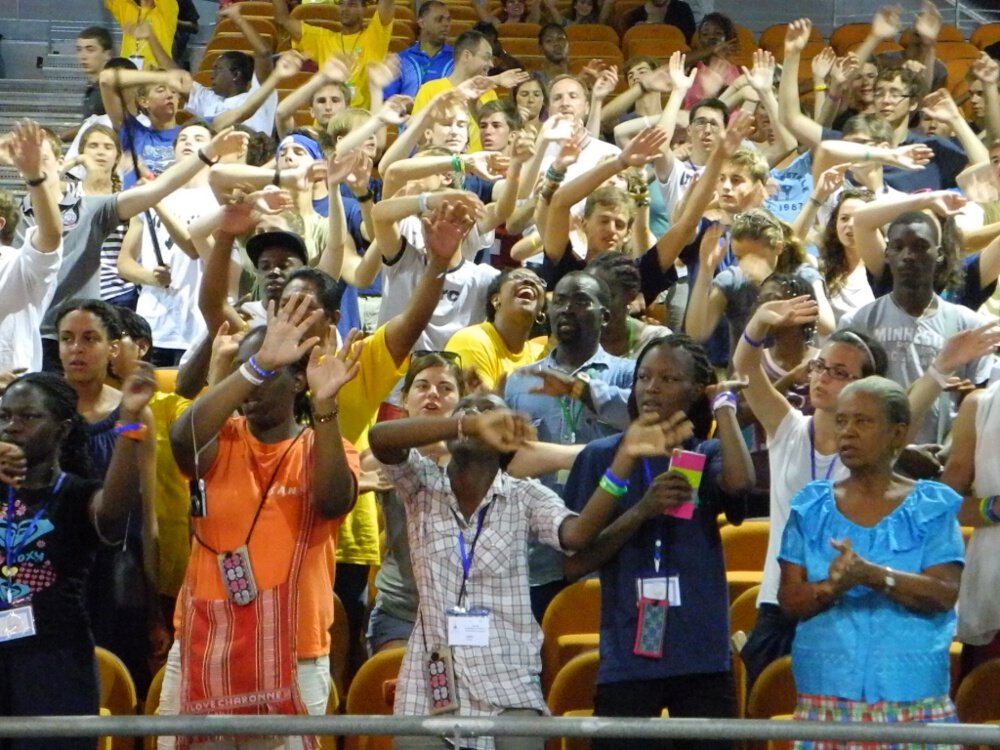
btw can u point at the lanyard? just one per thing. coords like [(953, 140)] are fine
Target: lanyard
[(812, 454), (466, 555), (658, 544), (569, 417), (12, 548)]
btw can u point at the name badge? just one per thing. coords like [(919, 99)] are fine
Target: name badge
[(16, 623), (659, 589), (468, 627)]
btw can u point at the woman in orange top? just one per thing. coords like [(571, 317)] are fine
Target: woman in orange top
[(271, 493)]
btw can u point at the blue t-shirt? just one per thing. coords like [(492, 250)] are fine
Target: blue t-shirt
[(696, 640), (416, 69), (795, 184), (154, 148), (866, 647)]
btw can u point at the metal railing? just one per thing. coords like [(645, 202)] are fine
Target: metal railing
[(462, 728)]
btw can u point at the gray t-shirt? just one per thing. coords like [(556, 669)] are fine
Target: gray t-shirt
[(96, 216), (913, 342), (397, 587)]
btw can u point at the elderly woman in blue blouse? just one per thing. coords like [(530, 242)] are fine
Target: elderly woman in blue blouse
[(871, 566)]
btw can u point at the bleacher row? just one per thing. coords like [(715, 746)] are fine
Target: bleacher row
[(570, 660), (592, 41)]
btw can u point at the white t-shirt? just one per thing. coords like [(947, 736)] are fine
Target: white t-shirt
[(463, 299), (205, 103), (675, 187), (791, 459), (27, 283), (173, 313), (853, 295)]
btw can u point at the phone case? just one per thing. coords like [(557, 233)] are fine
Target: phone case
[(440, 675), (650, 628)]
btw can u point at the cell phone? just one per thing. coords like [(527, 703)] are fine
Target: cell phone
[(692, 466), (561, 130)]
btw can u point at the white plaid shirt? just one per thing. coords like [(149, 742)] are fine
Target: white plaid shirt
[(506, 673)]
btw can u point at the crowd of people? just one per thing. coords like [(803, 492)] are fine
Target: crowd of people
[(473, 333)]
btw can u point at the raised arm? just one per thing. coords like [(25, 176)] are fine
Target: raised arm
[(497, 213), (333, 70), (706, 303), (284, 342), (392, 112), (143, 32), (480, 164), (603, 87), (680, 83), (761, 79), (987, 70), (285, 20), (288, 65), (137, 199), (112, 81), (25, 149), (392, 210), (939, 106), (768, 405), (805, 130), (262, 50)]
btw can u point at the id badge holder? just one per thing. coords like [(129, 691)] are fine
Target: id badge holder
[(15, 623), (199, 501), (237, 576), (650, 628), (468, 627), (439, 675)]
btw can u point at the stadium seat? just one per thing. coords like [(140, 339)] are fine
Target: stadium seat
[(263, 26), (745, 546), (117, 692), (774, 692), (570, 626), (743, 611), (654, 48), (367, 696), (848, 35), (661, 31), (592, 32), (151, 706), (773, 38), (572, 694), (978, 699), (985, 35), (519, 31), (948, 33), (956, 51)]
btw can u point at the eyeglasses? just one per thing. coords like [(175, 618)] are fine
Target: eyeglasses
[(529, 276), (836, 372), (703, 123), (893, 95), (450, 356)]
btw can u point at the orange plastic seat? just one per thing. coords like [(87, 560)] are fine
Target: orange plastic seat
[(117, 692), (570, 625), (773, 38), (367, 696), (978, 699), (519, 30), (745, 546), (773, 694), (592, 32), (847, 35), (985, 35)]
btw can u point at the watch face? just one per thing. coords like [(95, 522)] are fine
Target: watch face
[(890, 580)]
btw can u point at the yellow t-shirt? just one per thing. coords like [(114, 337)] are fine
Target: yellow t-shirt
[(162, 20), (359, 402), (482, 347), (371, 44), (432, 88), (173, 500)]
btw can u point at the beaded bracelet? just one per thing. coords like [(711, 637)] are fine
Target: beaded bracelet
[(754, 344), (611, 488), (986, 510), (327, 417), (554, 174)]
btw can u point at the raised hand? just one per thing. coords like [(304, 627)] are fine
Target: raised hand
[(571, 147), (797, 35), (788, 313), (647, 145), (928, 23), (137, 390), (13, 464), (886, 24), (329, 370), (913, 157), (230, 11), (966, 346), (712, 249), (679, 79), (739, 128), (446, 227), (381, 74), (501, 429), (475, 87), (945, 203), (396, 109), (289, 64), (986, 69), (179, 80), (650, 436), (733, 385), (938, 105), (359, 178), (822, 64), (228, 142), (483, 164), (335, 68), (844, 70), (224, 347), (829, 181), (606, 82), (761, 76), (522, 146), (339, 167), (510, 78), (26, 149), (283, 342)]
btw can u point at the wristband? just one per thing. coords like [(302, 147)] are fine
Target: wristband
[(867, 156), (250, 375), (554, 175), (617, 482), (260, 371), (205, 160), (754, 344), (327, 417), (820, 87), (456, 163), (834, 97), (133, 430), (937, 376), (818, 204), (724, 400), (986, 510), (366, 198), (612, 489), (581, 381), (37, 181), (422, 203)]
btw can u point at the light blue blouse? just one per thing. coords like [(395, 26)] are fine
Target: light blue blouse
[(867, 647)]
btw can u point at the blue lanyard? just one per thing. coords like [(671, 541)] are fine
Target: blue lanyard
[(812, 454), (658, 544), (467, 554), (12, 549)]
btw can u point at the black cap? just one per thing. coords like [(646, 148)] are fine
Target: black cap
[(279, 239)]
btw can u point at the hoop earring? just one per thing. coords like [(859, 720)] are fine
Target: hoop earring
[(541, 317)]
